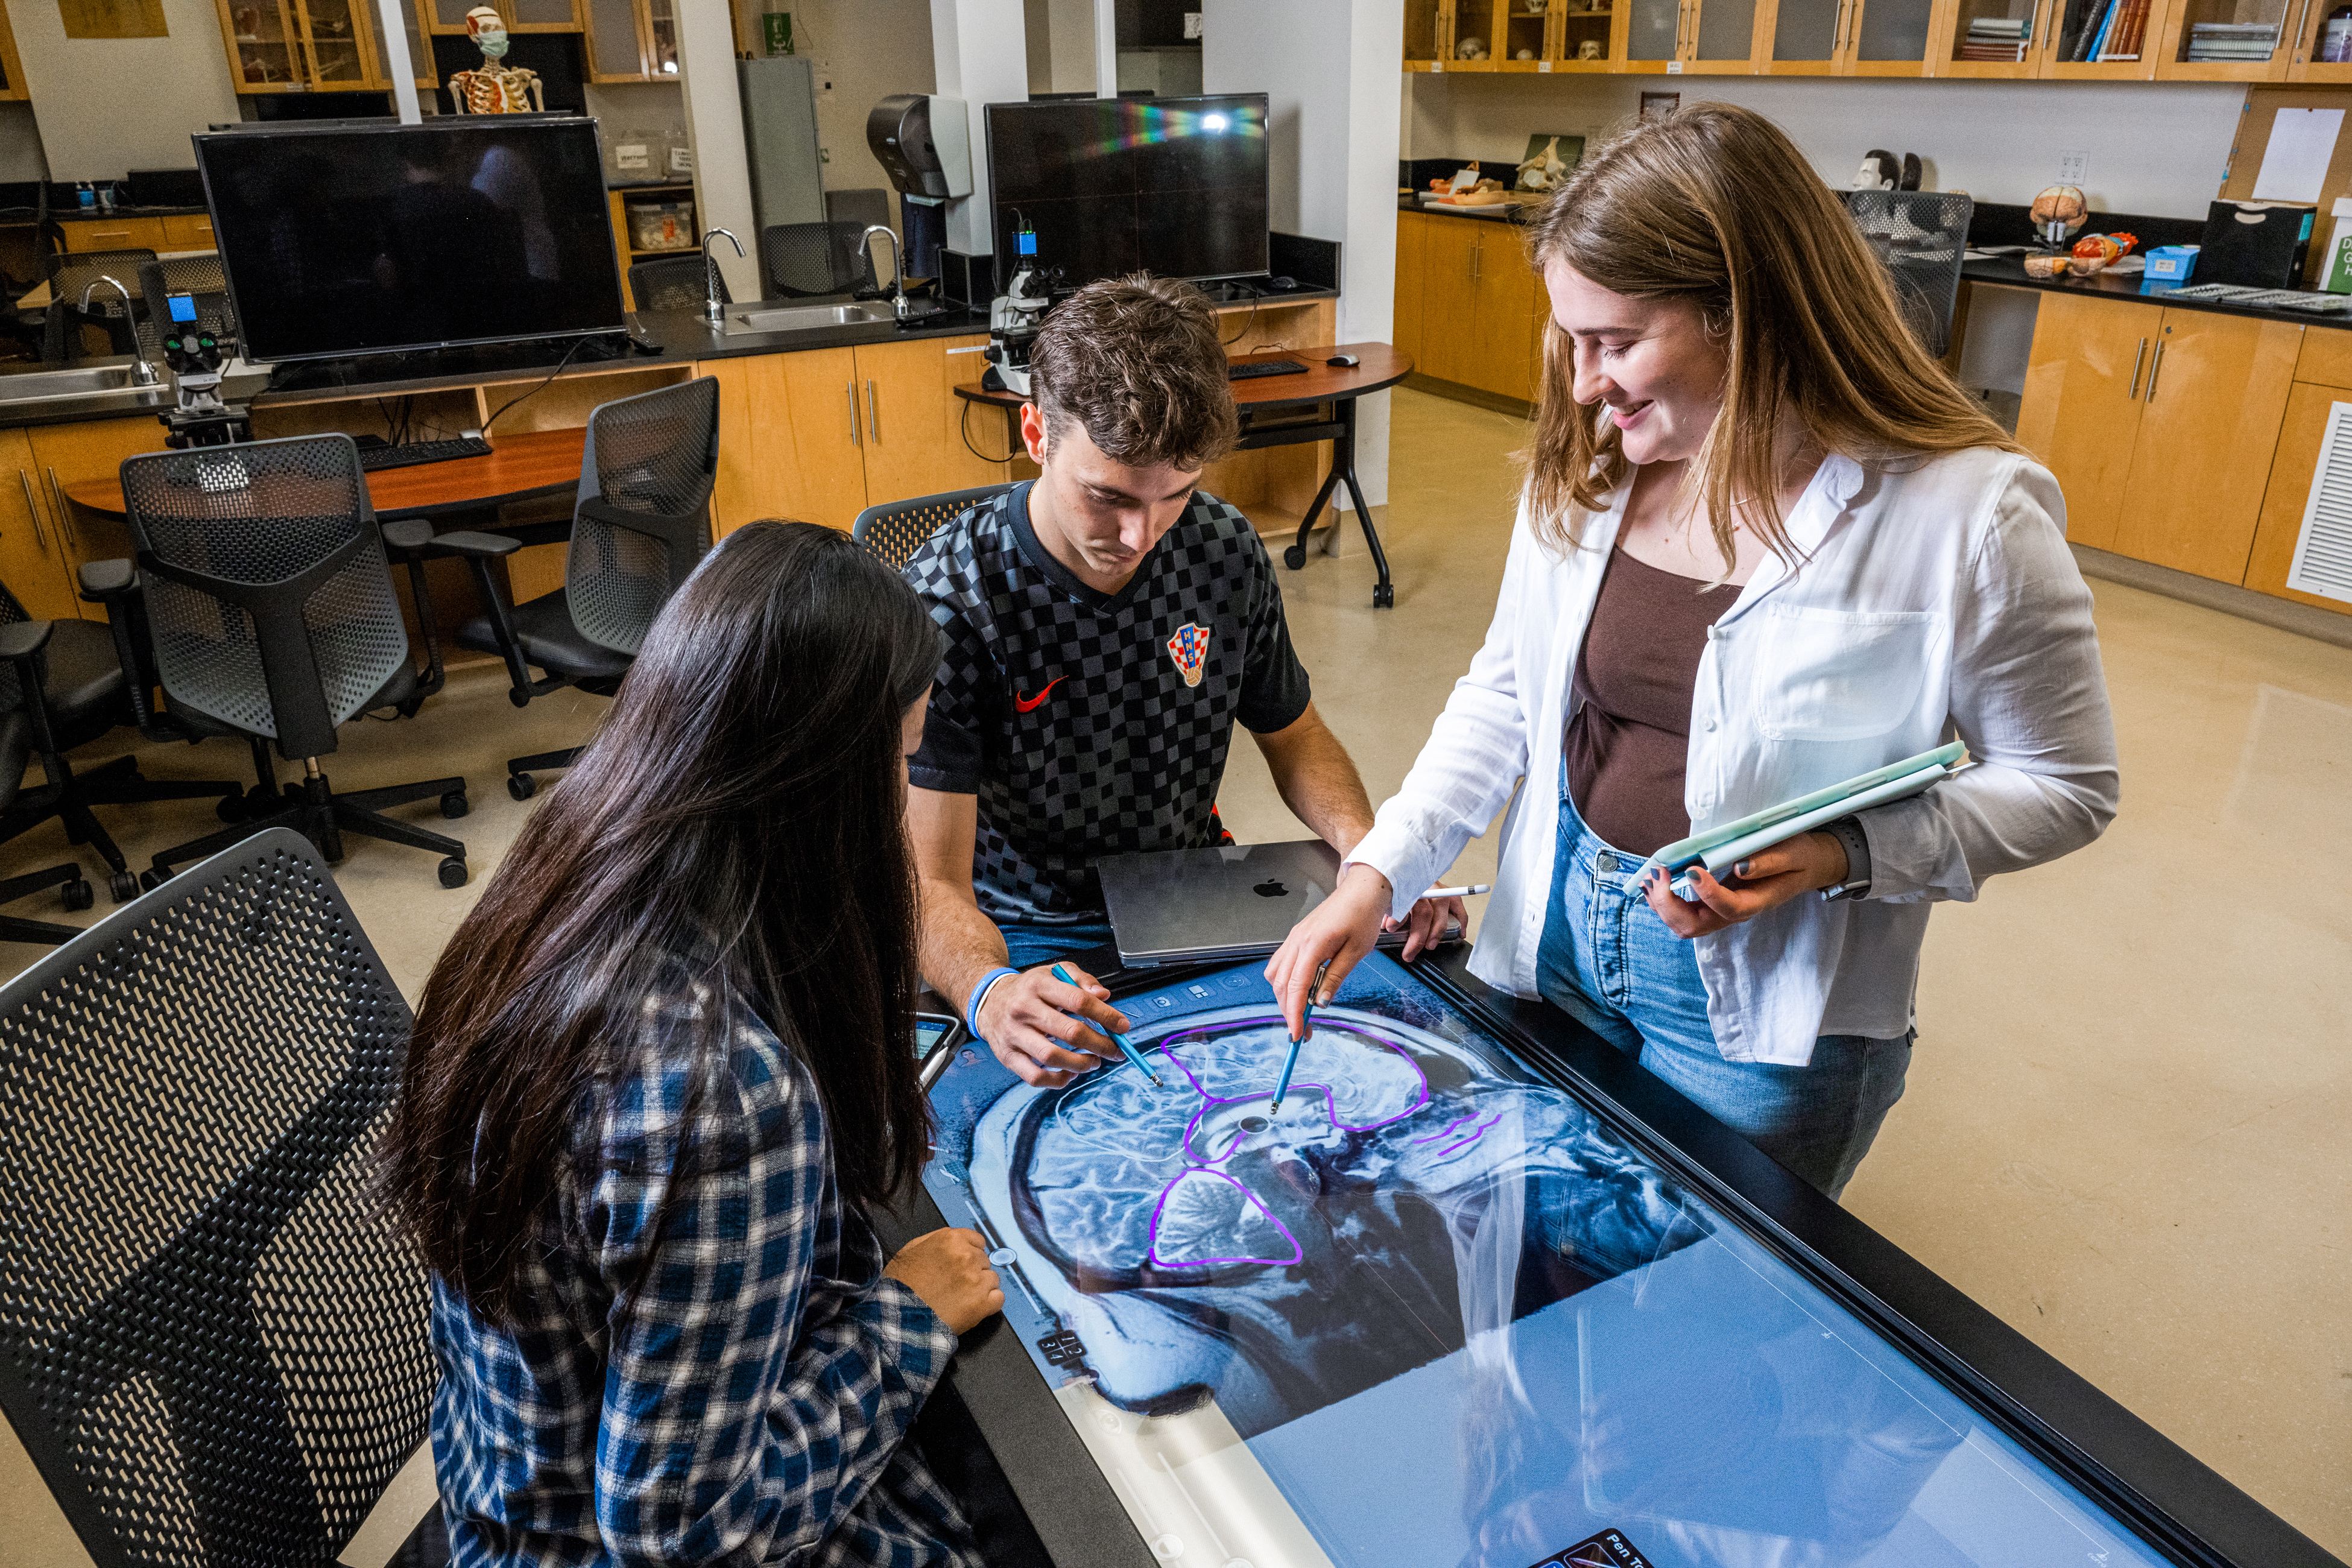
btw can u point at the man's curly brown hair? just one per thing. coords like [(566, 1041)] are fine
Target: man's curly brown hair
[(1138, 362)]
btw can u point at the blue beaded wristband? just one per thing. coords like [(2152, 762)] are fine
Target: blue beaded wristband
[(979, 995)]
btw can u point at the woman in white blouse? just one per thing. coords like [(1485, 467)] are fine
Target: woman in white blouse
[(1766, 543)]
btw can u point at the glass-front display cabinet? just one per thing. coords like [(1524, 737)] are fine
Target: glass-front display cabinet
[(2235, 40)]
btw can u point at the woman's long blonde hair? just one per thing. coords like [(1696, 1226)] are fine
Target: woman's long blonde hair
[(1714, 204)]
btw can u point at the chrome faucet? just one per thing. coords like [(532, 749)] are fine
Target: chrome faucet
[(714, 310), (897, 262), (141, 372)]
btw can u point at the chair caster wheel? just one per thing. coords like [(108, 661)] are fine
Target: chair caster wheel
[(122, 887), (522, 786), (231, 808), (454, 804), (151, 879), (1383, 597), (453, 872), (1295, 556), (520, 699), (78, 895)]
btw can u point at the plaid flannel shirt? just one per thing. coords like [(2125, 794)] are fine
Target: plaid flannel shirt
[(735, 1391)]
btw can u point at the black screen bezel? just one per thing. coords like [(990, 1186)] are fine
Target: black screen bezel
[(585, 125), (1002, 212)]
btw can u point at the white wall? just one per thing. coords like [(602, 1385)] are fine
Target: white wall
[(2155, 149), (1070, 39), (1328, 69), (980, 54), (20, 145), (870, 50), (109, 105)]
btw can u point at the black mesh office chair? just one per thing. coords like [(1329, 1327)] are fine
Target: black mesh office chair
[(197, 276), (801, 259), (69, 274), (270, 610), (1918, 236), (676, 283), (213, 1345), (642, 522), (65, 679), (15, 750), (895, 531)]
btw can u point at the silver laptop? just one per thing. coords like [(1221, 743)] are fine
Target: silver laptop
[(1237, 900)]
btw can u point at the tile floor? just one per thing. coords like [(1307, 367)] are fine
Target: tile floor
[(2125, 1128)]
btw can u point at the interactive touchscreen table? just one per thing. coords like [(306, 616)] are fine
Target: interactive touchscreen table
[(1455, 1305)]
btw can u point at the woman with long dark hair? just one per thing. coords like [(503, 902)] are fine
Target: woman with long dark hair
[(660, 1073)]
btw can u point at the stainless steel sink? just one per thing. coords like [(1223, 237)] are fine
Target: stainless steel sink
[(81, 381), (798, 318)]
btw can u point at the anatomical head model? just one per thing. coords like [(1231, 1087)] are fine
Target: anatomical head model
[(495, 88)]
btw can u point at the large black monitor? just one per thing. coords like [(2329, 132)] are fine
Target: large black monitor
[(375, 239), (1175, 186)]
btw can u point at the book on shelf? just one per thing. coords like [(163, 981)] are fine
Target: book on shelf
[(2095, 28), (2122, 42)]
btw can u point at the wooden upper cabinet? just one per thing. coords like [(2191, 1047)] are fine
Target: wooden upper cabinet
[(2229, 40), (2307, 42), (632, 40), (1983, 39), (1851, 38), (12, 69)]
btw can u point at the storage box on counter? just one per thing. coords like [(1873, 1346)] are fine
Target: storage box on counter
[(2169, 267), (2261, 245)]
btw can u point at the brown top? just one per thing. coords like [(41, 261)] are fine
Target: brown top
[(1630, 734)]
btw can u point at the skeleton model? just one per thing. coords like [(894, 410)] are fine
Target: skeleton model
[(496, 89), (1546, 170)]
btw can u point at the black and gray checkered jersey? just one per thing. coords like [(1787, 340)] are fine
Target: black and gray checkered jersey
[(1091, 724)]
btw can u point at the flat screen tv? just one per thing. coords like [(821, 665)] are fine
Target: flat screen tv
[(1175, 186), (359, 240)]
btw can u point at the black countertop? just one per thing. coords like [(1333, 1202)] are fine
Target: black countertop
[(683, 335), (2009, 272)]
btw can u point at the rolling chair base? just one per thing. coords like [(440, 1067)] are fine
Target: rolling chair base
[(67, 879), (521, 785), (313, 809), (117, 783)]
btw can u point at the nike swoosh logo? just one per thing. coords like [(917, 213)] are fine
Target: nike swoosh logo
[(1029, 704)]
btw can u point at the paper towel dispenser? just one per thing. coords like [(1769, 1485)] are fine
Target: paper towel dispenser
[(923, 143)]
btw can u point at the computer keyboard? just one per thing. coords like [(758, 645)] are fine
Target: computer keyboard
[(1253, 369), (2266, 298), (376, 459)]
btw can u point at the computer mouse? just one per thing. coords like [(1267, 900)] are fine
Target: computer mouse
[(1343, 360)]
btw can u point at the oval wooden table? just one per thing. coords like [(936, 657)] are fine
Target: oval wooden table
[(525, 464), (1378, 366)]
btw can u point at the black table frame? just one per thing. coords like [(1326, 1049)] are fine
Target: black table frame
[(2154, 1488), (1341, 431)]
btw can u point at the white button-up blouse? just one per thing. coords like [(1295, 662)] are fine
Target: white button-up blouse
[(1934, 599)]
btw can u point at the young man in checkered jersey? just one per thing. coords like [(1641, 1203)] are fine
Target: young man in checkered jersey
[(1106, 625)]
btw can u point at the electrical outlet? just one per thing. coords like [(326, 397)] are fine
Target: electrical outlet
[(824, 154), (1191, 23), (2072, 167)]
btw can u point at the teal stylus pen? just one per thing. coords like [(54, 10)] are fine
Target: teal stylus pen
[(1126, 1046), (1290, 1058)]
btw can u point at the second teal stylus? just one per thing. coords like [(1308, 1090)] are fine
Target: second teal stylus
[(1126, 1046)]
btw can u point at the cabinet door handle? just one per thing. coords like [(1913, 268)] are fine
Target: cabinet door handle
[(2302, 40), (33, 507), (1837, 32), (2154, 369), (65, 512), (851, 388), (2135, 363), (1475, 253), (873, 415)]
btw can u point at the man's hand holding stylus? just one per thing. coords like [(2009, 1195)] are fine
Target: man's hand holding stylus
[(1342, 930), (1028, 1021)]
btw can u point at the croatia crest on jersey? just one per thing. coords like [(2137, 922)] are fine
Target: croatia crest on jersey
[(1190, 648)]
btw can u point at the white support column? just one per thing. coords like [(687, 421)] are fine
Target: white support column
[(980, 55), (1328, 69), (392, 21), (714, 121), (1105, 48)]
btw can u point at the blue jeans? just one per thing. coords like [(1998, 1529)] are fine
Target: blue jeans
[(1029, 946), (1608, 961)]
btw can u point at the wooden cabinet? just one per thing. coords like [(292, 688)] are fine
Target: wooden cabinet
[(302, 46), (1475, 317), (33, 560), (624, 244), (1850, 38), (65, 454), (2310, 410), (632, 40), (103, 233), (2081, 409), (822, 433), (2161, 426), (2229, 40), (2053, 33), (12, 69)]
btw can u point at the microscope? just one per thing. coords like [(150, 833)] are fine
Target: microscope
[(195, 355), (1013, 319)]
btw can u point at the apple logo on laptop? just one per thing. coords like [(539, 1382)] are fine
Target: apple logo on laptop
[(1270, 888)]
